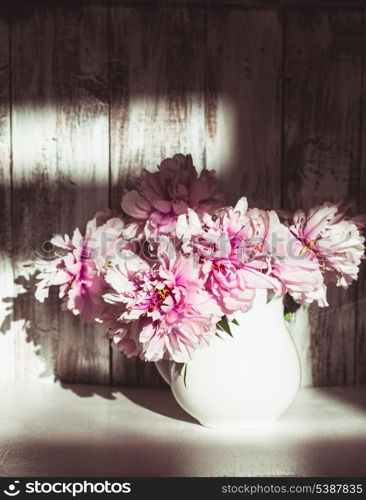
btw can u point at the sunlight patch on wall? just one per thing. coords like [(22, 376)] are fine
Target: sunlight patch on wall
[(50, 140), (19, 358)]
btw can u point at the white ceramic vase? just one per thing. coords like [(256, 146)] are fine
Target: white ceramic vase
[(244, 381)]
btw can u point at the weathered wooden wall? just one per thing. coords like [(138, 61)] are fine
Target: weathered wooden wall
[(269, 96)]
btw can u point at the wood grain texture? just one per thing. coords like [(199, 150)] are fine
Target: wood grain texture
[(233, 3), (80, 72), (157, 109), (7, 345), (360, 351), (243, 102), (35, 206), (321, 161)]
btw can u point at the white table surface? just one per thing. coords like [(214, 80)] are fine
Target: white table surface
[(79, 430)]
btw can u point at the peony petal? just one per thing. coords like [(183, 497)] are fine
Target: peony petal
[(135, 205)]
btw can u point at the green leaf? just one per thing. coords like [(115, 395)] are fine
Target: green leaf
[(287, 317), (223, 324), (235, 322)]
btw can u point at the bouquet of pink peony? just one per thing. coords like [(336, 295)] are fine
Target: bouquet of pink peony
[(176, 265)]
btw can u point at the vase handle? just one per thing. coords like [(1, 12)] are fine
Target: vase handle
[(163, 368)]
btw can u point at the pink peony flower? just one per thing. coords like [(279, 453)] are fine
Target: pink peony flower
[(107, 241), (280, 254), (165, 302), (79, 267), (161, 197), (221, 244), (331, 239), (242, 250), (125, 336)]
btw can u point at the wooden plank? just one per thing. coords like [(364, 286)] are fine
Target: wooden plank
[(243, 102), (80, 73), (360, 346), (35, 206), (7, 368), (321, 162), (157, 109)]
